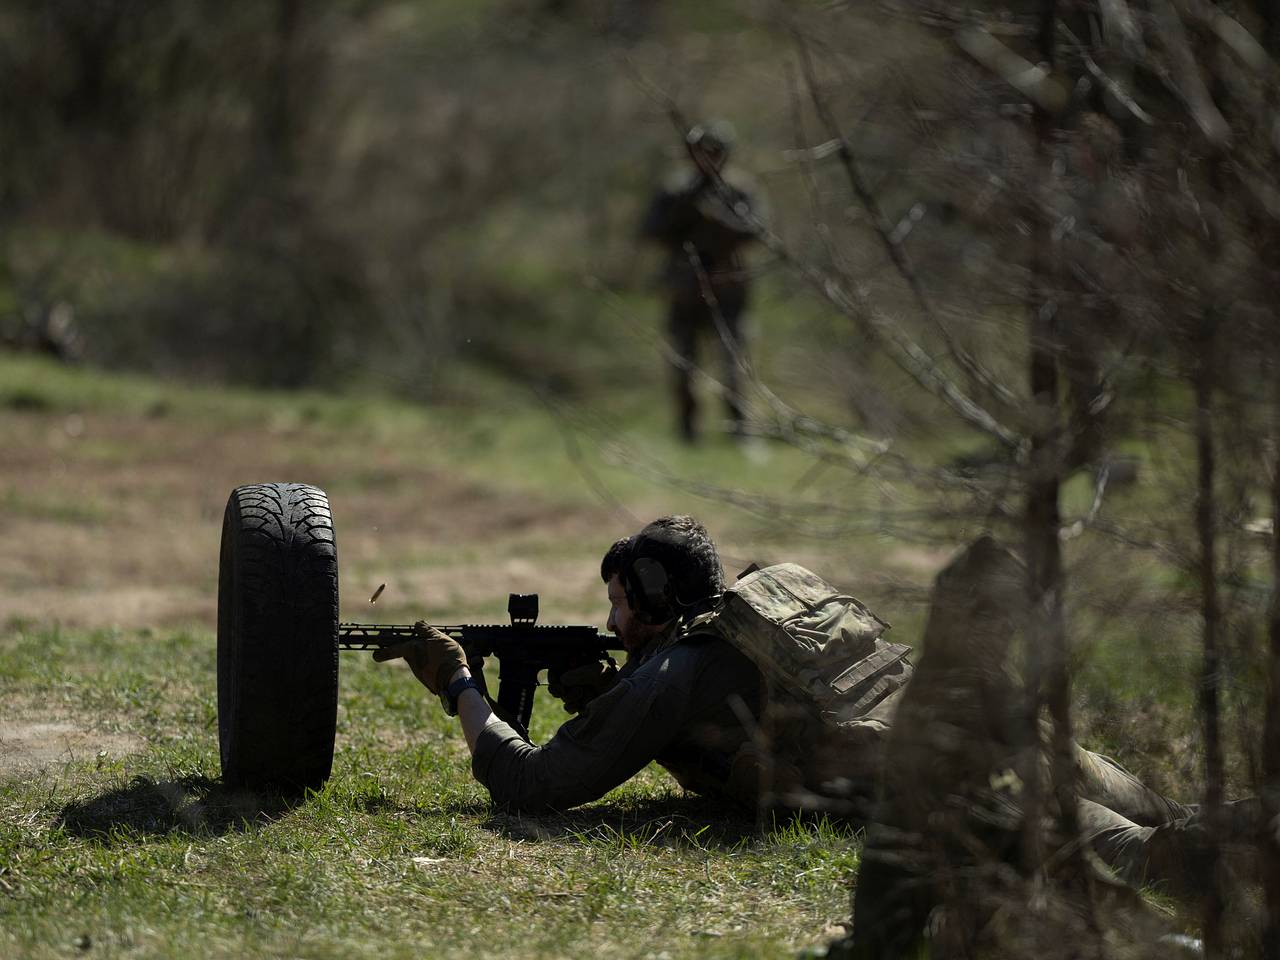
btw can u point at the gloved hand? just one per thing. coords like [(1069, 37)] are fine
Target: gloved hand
[(578, 686), (433, 656)]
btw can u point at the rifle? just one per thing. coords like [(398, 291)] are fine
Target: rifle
[(522, 648)]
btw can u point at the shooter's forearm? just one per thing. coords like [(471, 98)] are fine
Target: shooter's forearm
[(473, 711)]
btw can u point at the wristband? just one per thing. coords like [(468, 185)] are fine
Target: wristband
[(449, 698)]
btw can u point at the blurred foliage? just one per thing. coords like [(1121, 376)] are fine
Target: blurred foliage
[(287, 193), (174, 134)]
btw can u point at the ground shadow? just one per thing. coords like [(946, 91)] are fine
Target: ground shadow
[(675, 821), (192, 805)]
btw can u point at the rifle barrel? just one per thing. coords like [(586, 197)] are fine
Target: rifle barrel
[(370, 636)]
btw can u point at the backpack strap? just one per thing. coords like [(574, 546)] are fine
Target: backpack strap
[(870, 667), (872, 679)]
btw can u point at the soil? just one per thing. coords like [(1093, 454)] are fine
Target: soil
[(34, 746), (117, 523)]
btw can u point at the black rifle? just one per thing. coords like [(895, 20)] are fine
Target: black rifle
[(522, 649)]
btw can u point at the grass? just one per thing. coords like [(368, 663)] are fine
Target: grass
[(53, 507), (147, 855)]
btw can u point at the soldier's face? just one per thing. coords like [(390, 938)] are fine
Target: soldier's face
[(709, 161), (622, 619)]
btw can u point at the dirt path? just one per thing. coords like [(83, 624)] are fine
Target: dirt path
[(32, 746), (110, 521)]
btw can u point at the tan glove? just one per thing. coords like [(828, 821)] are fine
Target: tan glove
[(578, 686), (433, 657)]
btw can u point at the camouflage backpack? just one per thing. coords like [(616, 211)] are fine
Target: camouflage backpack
[(825, 668)]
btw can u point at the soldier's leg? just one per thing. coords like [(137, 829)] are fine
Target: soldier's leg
[(732, 300), (1174, 854), (682, 328), (1103, 781)]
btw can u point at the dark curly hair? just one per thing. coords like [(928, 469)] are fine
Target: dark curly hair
[(683, 547), (616, 559)]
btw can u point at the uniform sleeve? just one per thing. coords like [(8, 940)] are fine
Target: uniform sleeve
[(612, 740), (672, 214)]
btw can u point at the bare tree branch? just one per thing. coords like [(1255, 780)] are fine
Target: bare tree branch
[(1230, 31), (888, 236), (1120, 29), (852, 451), (1034, 82), (1077, 527), (1111, 85), (1186, 79)]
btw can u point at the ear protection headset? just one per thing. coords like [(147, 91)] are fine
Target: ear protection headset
[(649, 590)]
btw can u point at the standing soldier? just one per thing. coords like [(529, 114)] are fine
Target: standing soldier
[(704, 221)]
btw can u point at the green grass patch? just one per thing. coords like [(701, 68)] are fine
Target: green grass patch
[(76, 510), (146, 854)]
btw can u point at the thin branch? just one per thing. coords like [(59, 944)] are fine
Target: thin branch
[(909, 356), (588, 474), (1231, 32), (951, 19), (889, 238), (1264, 194), (1074, 529), (1034, 82), (823, 231), (1120, 29), (820, 151), (1112, 86), (853, 451), (1186, 79)]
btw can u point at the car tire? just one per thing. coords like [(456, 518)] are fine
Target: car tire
[(277, 637)]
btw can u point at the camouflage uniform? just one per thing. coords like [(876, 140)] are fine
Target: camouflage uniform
[(687, 705), (704, 225), (830, 684)]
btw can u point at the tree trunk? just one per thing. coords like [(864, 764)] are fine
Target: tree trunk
[(1048, 678), (1270, 848), (1210, 670), (1269, 845)]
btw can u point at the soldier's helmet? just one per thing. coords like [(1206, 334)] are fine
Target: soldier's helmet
[(714, 139)]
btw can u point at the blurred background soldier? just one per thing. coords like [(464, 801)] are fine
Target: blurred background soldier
[(704, 217)]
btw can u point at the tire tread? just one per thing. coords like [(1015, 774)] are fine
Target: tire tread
[(277, 636)]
